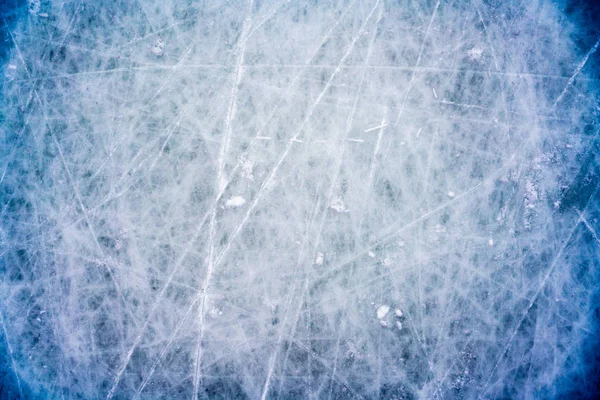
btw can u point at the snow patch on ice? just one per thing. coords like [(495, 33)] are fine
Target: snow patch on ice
[(235, 202)]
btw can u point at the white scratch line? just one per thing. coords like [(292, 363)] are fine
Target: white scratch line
[(453, 103), (587, 225), (413, 77), (577, 71), (221, 165), (375, 128)]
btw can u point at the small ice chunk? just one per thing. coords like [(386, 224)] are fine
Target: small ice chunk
[(399, 325), (383, 323), (215, 312), (398, 313), (269, 304), (382, 311), (158, 48), (371, 254), (235, 201), (451, 194), (475, 53), (491, 242), (319, 259), (338, 206)]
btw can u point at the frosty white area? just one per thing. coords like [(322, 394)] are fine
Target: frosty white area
[(297, 199)]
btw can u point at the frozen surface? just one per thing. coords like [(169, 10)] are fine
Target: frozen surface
[(298, 199)]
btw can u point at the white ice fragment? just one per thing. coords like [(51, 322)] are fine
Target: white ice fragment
[(401, 243), (439, 228), (269, 304), (398, 313), (158, 48), (371, 254), (491, 242), (12, 66), (451, 194), (475, 54), (319, 258), (434, 93), (215, 312), (387, 261), (338, 206), (235, 201), (382, 311), (399, 325), (383, 323)]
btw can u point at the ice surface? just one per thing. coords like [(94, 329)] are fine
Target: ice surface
[(212, 199)]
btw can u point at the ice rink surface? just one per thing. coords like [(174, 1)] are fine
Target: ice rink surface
[(348, 199)]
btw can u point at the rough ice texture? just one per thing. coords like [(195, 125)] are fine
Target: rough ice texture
[(212, 199)]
